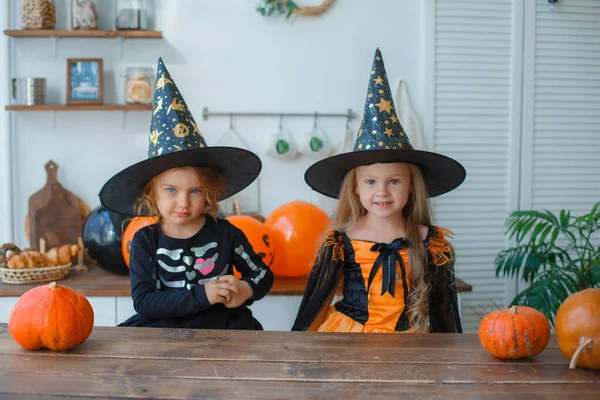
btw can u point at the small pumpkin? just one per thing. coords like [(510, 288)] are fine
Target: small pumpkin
[(578, 328), (51, 317), (135, 225), (514, 333)]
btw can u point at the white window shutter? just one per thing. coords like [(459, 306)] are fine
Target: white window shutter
[(471, 119), (562, 106)]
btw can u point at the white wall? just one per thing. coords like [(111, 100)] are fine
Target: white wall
[(222, 55)]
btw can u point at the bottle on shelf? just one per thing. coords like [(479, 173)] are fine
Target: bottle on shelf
[(132, 14), (84, 15)]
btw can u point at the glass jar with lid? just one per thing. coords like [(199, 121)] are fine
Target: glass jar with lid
[(38, 14), (133, 14), (139, 83), (83, 14)]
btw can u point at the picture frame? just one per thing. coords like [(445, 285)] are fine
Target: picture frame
[(84, 81)]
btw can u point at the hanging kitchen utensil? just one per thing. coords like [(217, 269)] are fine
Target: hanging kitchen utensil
[(315, 143), (280, 144)]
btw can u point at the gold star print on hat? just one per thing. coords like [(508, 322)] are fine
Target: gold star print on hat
[(380, 128)]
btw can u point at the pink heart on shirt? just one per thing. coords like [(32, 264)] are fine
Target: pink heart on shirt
[(205, 267)]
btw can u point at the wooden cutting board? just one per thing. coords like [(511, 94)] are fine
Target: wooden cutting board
[(54, 213)]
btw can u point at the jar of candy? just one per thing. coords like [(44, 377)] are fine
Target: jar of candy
[(138, 86), (83, 14)]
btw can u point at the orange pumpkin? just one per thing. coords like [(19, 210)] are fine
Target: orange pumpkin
[(51, 317), (134, 225), (516, 332), (257, 235), (295, 228), (578, 328)]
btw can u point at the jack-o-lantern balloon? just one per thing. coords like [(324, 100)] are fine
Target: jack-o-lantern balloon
[(258, 236), (135, 225), (295, 228)]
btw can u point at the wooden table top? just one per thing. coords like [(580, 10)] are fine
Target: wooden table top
[(99, 282), (178, 364)]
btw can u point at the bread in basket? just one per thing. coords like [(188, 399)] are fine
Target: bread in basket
[(29, 266)]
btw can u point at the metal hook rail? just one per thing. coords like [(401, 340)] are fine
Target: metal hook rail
[(349, 114)]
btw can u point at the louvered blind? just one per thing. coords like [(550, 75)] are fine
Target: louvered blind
[(565, 107), (472, 122)]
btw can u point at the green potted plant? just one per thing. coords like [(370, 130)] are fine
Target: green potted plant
[(557, 255)]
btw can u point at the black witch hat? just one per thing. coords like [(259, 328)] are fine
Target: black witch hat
[(381, 139), (176, 141)]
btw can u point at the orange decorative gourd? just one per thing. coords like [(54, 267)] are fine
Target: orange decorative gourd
[(578, 328), (295, 228), (516, 332), (134, 225), (258, 236), (51, 317)]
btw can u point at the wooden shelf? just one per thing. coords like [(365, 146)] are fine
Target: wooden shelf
[(99, 107), (83, 33)]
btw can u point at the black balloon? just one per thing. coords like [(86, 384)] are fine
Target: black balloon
[(102, 234)]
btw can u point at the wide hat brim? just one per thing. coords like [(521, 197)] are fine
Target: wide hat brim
[(240, 168), (442, 174)]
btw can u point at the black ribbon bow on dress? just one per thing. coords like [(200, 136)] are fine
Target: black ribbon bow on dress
[(387, 258)]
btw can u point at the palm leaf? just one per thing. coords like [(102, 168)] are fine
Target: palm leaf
[(520, 223), (554, 270), (511, 261), (548, 291)]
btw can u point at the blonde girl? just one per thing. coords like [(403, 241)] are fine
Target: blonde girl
[(391, 267)]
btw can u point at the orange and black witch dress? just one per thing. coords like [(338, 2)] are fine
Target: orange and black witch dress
[(373, 278)]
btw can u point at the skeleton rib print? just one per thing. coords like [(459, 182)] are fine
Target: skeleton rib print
[(200, 266)]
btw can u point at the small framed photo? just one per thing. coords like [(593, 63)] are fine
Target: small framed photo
[(84, 81)]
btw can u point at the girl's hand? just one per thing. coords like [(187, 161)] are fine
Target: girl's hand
[(240, 290), (217, 292)]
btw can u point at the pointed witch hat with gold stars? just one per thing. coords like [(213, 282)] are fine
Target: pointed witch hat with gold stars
[(381, 139), (176, 141)]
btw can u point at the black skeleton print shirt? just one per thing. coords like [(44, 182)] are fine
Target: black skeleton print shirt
[(168, 275)]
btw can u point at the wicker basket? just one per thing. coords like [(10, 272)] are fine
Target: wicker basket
[(34, 275)]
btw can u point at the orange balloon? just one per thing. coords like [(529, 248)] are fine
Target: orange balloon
[(258, 236), (295, 228), (134, 225)]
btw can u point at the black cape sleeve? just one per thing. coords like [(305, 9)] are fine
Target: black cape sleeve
[(323, 280), (443, 301)]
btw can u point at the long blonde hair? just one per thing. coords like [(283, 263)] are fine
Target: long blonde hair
[(416, 213), (213, 183)]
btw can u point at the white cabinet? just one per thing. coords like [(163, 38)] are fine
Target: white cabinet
[(124, 309), (275, 313), (105, 310), (6, 305)]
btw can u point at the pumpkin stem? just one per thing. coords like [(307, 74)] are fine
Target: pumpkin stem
[(583, 343), (53, 285), (513, 310)]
